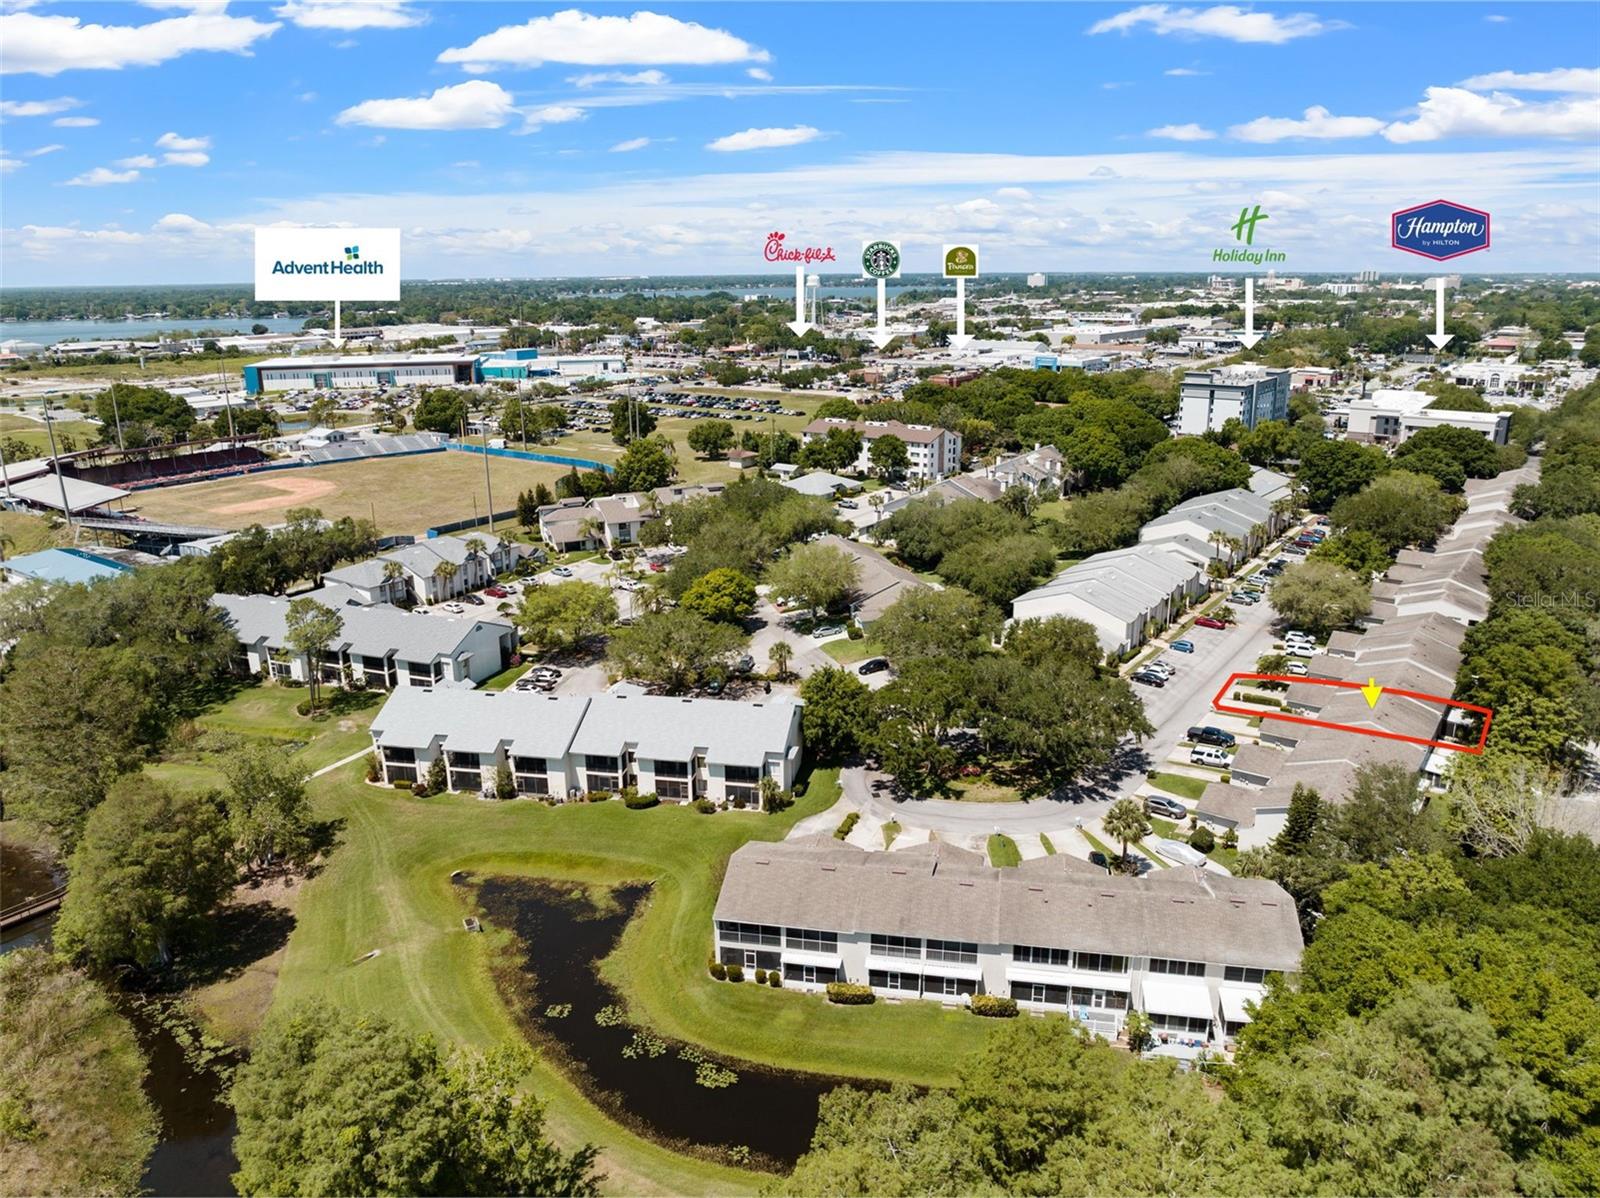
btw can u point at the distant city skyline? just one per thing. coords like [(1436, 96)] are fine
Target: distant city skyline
[(142, 143)]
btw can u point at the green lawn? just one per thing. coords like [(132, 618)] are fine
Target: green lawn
[(387, 887), (34, 435), (890, 831), (504, 678), (1003, 851), (1049, 848), (1181, 785), (848, 652)]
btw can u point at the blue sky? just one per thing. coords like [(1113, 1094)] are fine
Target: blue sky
[(143, 142)]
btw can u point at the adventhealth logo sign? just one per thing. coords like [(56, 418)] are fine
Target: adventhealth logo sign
[(1439, 230), (335, 263)]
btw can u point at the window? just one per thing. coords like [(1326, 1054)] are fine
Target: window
[(896, 946), (532, 784), (394, 755), (402, 773), (528, 765), (1040, 993), (1100, 963), (811, 941), (1099, 1000), (671, 788), (672, 769), (749, 933), (957, 952), (1182, 1024), (951, 986), (1183, 969), (812, 974), (1028, 954), (882, 979), (750, 774), (1243, 973), (462, 760), (603, 765)]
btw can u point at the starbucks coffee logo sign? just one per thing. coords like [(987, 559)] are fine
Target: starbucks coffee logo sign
[(880, 259), (960, 261)]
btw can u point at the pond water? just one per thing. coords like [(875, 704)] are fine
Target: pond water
[(646, 1083)]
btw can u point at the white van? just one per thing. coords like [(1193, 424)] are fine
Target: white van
[(1208, 755)]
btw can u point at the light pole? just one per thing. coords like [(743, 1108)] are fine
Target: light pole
[(50, 432), (227, 396), (116, 416)]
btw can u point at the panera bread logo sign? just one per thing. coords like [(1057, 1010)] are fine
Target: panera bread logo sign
[(777, 251)]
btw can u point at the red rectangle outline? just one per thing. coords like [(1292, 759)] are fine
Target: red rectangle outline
[(1269, 714)]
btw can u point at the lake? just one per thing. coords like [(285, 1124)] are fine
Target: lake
[(651, 1085), (48, 332)]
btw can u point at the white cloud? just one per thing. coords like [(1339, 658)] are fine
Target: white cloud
[(1189, 132), (638, 78), (534, 119), (587, 40), (632, 144), (466, 164), (103, 176), (7, 164), (1495, 18), (1317, 122), (39, 107), (1184, 72), (43, 150), (759, 74), (306, 97), (764, 139), (476, 104), (47, 45), (171, 141), (345, 15), (185, 158), (138, 161), (1456, 112), (1563, 79), (75, 122), (1014, 193), (1220, 20)]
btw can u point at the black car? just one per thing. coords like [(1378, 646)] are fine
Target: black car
[(1208, 735), (1149, 678), (1096, 857), (472, 599), (873, 665)]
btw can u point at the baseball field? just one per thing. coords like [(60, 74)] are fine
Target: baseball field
[(401, 494)]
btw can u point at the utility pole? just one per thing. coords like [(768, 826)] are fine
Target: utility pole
[(227, 397), (487, 486), (55, 460), (5, 478), (116, 417)]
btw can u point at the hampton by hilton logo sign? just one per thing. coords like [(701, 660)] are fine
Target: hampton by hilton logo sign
[(1439, 230), (327, 264), (776, 251)]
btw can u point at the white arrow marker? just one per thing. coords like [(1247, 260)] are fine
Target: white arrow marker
[(337, 339), (1439, 337), (798, 325), (881, 336), (1250, 336), (961, 339)]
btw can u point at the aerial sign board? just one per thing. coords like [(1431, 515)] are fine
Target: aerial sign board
[(327, 264), (1439, 230), (960, 261)]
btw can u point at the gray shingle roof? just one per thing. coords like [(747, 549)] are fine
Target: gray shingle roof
[(371, 631), (528, 724), (727, 732), (956, 896)]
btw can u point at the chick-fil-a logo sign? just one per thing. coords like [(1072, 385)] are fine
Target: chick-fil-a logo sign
[(776, 251)]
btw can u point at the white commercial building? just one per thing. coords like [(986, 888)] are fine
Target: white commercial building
[(563, 745), (934, 452), (1389, 417), (359, 371), (1208, 399), (1190, 948)]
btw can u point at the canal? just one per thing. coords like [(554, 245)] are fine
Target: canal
[(676, 1094)]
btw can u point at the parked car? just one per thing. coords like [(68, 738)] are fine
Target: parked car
[(1096, 857), (826, 630), (1248, 598), (1176, 850), (475, 600), (1166, 808), (1297, 668), (1159, 667), (454, 608), (1294, 634), (873, 665), (849, 505), (1183, 646), (1149, 678), (1300, 649), (496, 592), (1208, 755), (1209, 622), (744, 665), (1205, 734), (1297, 550), (562, 572)]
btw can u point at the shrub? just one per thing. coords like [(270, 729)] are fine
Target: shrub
[(736, 973), (775, 980), (1230, 838), (761, 977), (505, 787), (719, 971), (402, 784), (634, 801), (374, 771), (738, 802), (704, 806), (1202, 839), (420, 790), (303, 707), (597, 796), (853, 631), (849, 994), (993, 1006), (846, 825), (1259, 700)]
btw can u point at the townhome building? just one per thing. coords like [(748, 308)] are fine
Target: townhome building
[(1122, 593), (934, 452), (561, 745), (1227, 526), (1192, 949), (611, 521), (386, 647), (1033, 468), (427, 571)]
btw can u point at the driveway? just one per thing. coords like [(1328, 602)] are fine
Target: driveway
[(769, 629)]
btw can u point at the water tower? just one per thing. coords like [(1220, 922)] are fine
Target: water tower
[(813, 286)]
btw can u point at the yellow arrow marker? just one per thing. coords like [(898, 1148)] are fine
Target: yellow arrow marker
[(1372, 690)]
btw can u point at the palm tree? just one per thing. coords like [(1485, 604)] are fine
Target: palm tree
[(477, 549), (779, 655), (1126, 823), (592, 529), (393, 572), (445, 572)]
